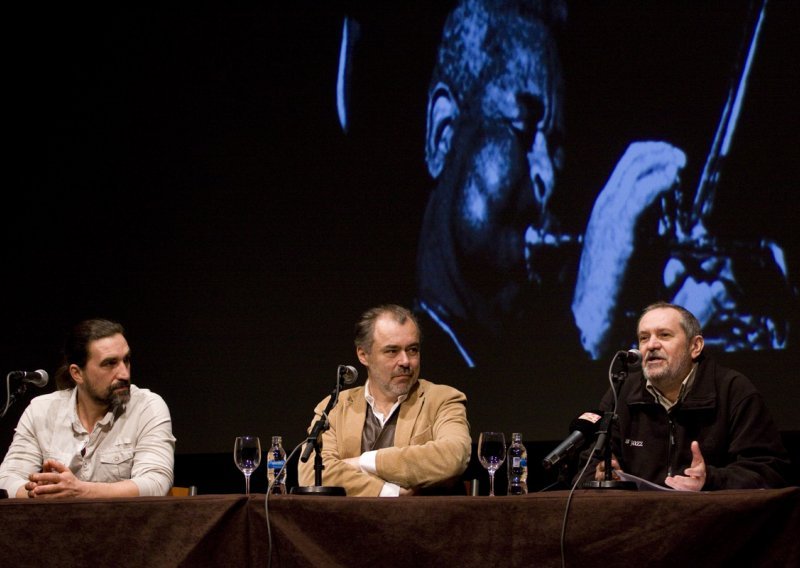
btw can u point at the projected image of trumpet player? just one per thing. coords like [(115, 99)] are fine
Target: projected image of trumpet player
[(493, 259)]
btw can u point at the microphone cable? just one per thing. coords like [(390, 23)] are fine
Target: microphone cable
[(583, 471), (342, 370), (8, 395), (280, 473)]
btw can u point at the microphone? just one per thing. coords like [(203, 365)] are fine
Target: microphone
[(348, 374), (583, 428), (36, 378), (632, 358)]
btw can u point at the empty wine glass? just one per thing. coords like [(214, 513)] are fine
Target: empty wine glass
[(247, 455), (492, 453)]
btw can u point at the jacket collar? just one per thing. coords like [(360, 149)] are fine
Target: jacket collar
[(702, 395), (356, 409)]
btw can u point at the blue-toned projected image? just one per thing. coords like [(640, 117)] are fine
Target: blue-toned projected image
[(236, 184), (495, 259)]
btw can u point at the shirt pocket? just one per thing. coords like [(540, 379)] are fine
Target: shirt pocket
[(115, 464)]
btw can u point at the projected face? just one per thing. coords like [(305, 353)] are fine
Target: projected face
[(494, 145), (509, 150), (492, 262)]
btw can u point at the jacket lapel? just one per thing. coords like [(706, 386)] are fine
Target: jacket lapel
[(409, 411), (354, 411)]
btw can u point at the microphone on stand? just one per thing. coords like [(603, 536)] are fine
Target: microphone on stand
[(623, 362), (345, 374), (632, 358), (604, 445), (36, 378), (348, 374), (583, 428)]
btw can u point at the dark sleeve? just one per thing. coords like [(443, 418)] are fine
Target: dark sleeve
[(756, 455)]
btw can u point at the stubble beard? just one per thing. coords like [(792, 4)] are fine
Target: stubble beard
[(667, 377), (402, 389), (112, 397)]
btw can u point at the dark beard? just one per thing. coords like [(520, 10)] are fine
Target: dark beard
[(111, 397), (120, 398)]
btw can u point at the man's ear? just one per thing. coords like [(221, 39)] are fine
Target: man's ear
[(696, 346), (442, 112), (76, 374)]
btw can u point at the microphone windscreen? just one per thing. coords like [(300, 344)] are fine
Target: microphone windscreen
[(348, 374), (586, 423), (634, 359), (43, 378)]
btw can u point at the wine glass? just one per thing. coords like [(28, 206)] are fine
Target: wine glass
[(247, 455), (492, 454)]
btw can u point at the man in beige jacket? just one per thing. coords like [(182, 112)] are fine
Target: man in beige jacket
[(398, 434)]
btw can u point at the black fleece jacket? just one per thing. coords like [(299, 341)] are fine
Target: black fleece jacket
[(723, 412)]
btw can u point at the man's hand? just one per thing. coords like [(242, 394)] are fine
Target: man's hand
[(600, 470), (645, 172), (695, 477), (55, 481)]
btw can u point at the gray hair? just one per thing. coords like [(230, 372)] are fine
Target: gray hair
[(365, 327), (691, 327)]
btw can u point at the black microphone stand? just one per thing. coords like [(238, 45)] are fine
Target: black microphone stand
[(12, 396), (604, 437), (314, 442)]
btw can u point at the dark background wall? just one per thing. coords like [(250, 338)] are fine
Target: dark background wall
[(183, 171)]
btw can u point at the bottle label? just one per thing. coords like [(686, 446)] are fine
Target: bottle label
[(275, 464)]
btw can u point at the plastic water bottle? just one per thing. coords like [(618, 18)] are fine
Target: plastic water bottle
[(517, 466), (275, 460)]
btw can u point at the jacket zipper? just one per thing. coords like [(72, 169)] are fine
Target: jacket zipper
[(671, 444)]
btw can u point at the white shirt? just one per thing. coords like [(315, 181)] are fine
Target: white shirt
[(133, 442)]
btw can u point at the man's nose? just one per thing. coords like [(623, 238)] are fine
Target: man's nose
[(651, 344), (123, 372), (402, 359), (542, 172)]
